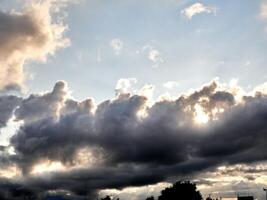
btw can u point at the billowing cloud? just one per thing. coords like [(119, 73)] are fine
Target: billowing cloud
[(29, 34), (7, 106), (129, 141), (197, 8), (37, 107)]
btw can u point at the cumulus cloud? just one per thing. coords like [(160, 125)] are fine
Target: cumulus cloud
[(7, 106), (197, 8), (124, 84), (29, 34), (117, 45), (153, 55), (110, 145), (170, 84), (37, 107)]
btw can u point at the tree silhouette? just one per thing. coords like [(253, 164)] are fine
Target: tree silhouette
[(106, 198), (183, 190)]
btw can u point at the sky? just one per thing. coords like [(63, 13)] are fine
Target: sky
[(124, 97)]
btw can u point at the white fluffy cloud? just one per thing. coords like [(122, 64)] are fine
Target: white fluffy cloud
[(197, 8), (153, 55), (124, 84), (29, 34), (117, 45), (170, 84)]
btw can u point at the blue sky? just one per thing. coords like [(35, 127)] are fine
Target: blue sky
[(229, 44)]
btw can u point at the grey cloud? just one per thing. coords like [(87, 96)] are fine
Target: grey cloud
[(164, 144), (7, 106), (37, 107), (244, 129)]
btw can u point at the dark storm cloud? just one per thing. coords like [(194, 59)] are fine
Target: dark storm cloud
[(79, 182), (134, 151), (244, 129), (85, 181), (7, 106), (45, 106)]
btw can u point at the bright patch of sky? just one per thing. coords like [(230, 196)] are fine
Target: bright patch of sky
[(108, 39)]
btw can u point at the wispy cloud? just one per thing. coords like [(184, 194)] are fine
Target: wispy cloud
[(153, 55), (263, 12), (117, 45), (197, 8), (170, 84)]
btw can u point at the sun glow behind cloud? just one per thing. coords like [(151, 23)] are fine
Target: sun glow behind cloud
[(10, 172), (200, 116), (84, 158), (47, 167), (10, 129), (200, 106)]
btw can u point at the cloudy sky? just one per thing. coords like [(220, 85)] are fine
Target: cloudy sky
[(124, 97)]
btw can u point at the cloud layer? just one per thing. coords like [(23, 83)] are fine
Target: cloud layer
[(129, 141)]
